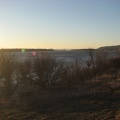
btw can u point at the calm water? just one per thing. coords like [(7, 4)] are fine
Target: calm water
[(60, 55), (68, 56)]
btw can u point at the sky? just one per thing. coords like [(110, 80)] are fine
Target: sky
[(59, 24)]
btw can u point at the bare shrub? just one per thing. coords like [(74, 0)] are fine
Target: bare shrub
[(24, 71), (101, 61), (77, 71), (46, 70), (115, 63), (67, 79), (7, 74), (25, 79)]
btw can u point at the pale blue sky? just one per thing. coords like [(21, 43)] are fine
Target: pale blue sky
[(59, 24)]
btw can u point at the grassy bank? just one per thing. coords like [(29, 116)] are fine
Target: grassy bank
[(46, 89)]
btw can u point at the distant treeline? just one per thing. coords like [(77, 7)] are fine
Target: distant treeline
[(26, 50), (110, 48), (105, 48), (32, 49)]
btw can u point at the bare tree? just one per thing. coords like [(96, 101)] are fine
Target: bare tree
[(92, 59)]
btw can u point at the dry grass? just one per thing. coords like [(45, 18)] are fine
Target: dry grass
[(71, 93)]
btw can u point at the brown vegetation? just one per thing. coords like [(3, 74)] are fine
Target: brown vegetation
[(54, 89)]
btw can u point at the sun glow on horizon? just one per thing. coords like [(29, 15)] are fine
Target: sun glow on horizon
[(59, 24)]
